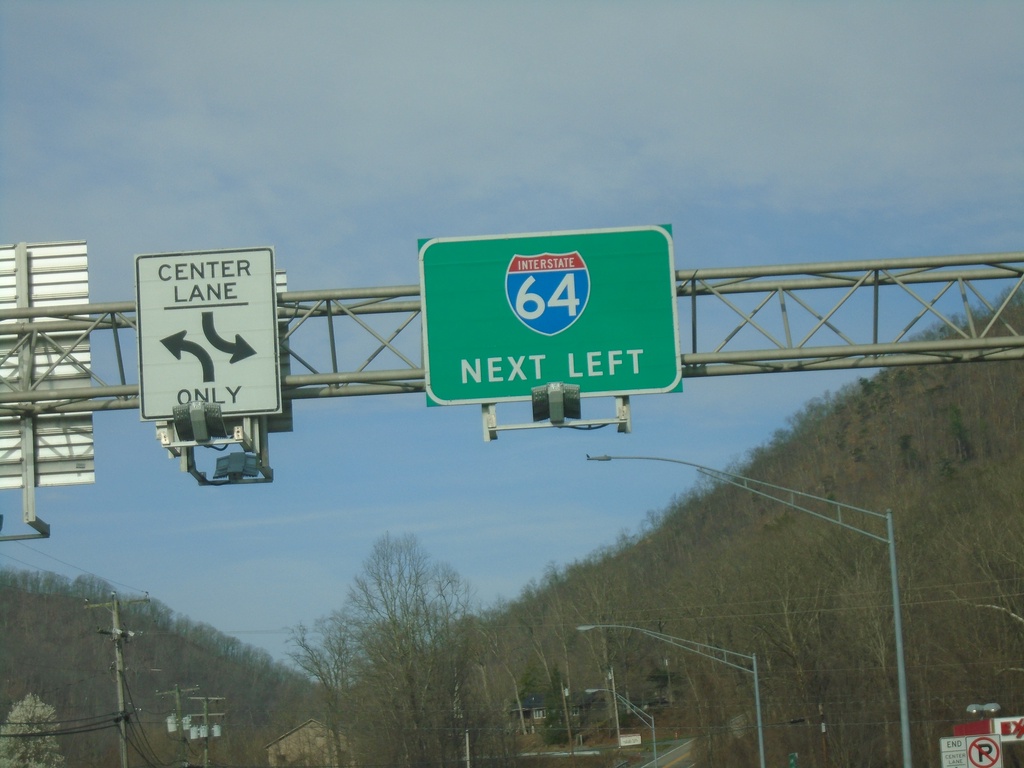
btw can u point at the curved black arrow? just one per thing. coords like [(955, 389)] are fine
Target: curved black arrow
[(239, 350), (176, 344)]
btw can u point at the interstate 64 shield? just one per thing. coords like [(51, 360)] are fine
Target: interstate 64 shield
[(506, 313)]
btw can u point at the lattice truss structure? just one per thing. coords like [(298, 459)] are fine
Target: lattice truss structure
[(351, 342), (38, 446), (62, 359), (845, 315)]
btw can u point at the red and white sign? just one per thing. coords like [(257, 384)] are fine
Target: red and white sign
[(984, 752), (1009, 728)]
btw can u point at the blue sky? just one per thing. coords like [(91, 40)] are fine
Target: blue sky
[(340, 133)]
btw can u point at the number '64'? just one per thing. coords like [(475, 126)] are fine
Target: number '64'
[(530, 306)]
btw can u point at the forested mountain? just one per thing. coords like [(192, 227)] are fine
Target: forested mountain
[(942, 448), (53, 645), (407, 672)]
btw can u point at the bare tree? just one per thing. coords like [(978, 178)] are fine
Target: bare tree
[(328, 655), (395, 663)]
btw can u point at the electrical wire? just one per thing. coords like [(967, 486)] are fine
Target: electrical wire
[(139, 733), (70, 565), (99, 725)]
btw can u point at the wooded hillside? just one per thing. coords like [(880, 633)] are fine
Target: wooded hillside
[(942, 447), (408, 673), (410, 677), (51, 646)]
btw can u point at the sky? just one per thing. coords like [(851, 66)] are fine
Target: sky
[(341, 133)]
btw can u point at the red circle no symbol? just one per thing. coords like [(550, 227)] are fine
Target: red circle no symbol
[(983, 752)]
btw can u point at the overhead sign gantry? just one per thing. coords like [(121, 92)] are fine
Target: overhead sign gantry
[(793, 317)]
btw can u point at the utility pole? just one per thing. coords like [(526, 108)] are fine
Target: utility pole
[(668, 681), (120, 637), (824, 737), (615, 707), (568, 722), (207, 714), (179, 723)]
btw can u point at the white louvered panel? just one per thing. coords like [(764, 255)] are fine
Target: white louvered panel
[(72, 367), (10, 452), (63, 450), (10, 439), (59, 274), (8, 287)]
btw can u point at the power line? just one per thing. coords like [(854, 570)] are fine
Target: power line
[(139, 734), (71, 565)]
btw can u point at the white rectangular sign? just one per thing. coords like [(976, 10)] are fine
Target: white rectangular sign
[(954, 751), (984, 751), (208, 331), (1009, 728), (629, 740)]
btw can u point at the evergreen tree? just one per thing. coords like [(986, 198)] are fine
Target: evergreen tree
[(19, 746)]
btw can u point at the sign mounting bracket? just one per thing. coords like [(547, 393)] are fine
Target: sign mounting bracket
[(622, 419)]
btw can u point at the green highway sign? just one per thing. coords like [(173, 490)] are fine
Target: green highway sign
[(506, 313)]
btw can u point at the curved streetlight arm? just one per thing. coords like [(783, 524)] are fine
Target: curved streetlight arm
[(701, 649), (688, 645), (648, 719), (785, 496)]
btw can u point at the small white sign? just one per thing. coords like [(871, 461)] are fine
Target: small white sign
[(208, 331), (954, 751), (629, 740)]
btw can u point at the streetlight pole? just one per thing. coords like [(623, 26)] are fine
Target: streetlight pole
[(647, 718), (721, 655), (788, 496)]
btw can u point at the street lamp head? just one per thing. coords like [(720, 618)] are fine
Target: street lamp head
[(585, 627), (598, 458), (983, 710)]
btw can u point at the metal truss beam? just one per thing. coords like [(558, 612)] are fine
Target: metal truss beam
[(844, 315), (744, 320)]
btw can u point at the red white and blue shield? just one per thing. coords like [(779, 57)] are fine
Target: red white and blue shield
[(548, 291)]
